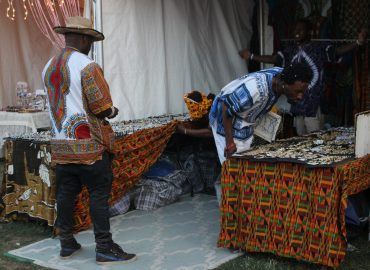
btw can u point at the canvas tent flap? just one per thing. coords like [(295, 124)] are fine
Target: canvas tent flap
[(157, 50), (154, 51), (23, 53)]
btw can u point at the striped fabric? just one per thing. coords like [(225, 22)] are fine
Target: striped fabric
[(246, 99), (289, 209)]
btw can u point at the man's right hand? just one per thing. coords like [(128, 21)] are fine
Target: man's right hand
[(245, 54)]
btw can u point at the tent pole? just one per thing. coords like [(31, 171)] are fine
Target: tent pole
[(93, 8), (261, 28), (99, 27)]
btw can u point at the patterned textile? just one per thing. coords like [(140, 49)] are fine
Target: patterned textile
[(202, 167), (121, 206), (135, 154), (209, 167), (289, 209), (30, 188), (95, 88), (77, 91), (246, 99), (34, 192), (153, 193), (357, 178), (197, 110), (315, 54)]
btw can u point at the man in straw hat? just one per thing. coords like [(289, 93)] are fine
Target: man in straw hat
[(82, 142)]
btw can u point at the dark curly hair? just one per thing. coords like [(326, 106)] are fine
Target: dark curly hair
[(296, 72), (196, 96)]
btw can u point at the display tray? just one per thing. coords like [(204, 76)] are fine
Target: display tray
[(20, 109), (319, 149)]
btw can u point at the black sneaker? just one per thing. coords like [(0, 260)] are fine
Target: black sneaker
[(69, 248), (114, 255)]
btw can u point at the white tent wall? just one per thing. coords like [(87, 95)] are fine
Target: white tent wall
[(23, 53), (266, 32), (157, 50)]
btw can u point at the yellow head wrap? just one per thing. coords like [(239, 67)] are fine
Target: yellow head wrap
[(198, 109)]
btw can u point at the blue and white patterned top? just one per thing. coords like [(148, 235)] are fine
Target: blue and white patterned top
[(246, 99)]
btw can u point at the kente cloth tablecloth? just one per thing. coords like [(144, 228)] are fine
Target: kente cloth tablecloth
[(289, 209), (135, 153), (30, 178)]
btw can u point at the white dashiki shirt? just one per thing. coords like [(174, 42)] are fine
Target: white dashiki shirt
[(77, 92), (246, 98)]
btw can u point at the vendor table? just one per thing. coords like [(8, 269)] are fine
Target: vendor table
[(29, 185), (16, 123), (292, 207)]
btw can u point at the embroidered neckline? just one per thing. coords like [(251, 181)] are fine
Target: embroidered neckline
[(73, 48)]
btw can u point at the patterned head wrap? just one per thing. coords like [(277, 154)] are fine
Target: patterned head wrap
[(197, 109)]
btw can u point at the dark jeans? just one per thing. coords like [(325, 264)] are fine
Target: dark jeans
[(98, 180)]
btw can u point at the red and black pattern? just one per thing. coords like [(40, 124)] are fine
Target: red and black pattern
[(289, 209), (57, 82)]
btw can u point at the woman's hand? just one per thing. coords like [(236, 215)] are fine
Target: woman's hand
[(180, 128)]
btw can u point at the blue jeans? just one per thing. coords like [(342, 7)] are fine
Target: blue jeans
[(98, 179)]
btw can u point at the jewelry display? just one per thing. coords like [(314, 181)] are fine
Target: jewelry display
[(316, 149), (121, 128)]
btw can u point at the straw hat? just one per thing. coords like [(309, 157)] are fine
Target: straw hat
[(79, 25)]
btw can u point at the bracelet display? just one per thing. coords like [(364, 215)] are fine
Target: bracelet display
[(251, 57)]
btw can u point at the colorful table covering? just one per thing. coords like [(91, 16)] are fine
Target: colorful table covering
[(288, 208), (29, 185)]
